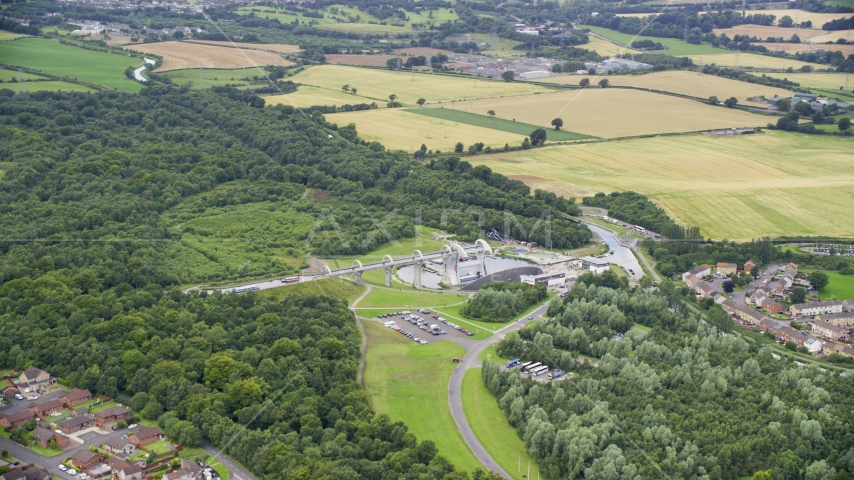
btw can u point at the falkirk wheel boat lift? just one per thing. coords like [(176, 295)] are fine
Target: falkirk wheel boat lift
[(450, 255)]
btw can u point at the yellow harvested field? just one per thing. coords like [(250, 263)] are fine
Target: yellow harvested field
[(401, 130), (739, 187), (179, 55), (683, 82), (614, 112), (763, 32), (817, 80), (276, 47), (408, 88), (750, 60), (606, 48), (307, 96), (804, 47), (833, 36), (817, 19), (361, 60)]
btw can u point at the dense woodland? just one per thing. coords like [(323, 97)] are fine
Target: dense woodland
[(503, 301), (683, 401)]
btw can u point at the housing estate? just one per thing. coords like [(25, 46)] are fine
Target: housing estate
[(34, 379), (85, 459), (76, 397), (727, 268), (189, 471), (15, 420), (112, 415), (145, 435), (46, 409), (699, 272), (31, 473), (830, 348), (121, 470), (838, 319), (43, 437), (827, 330), (118, 446), (812, 309), (78, 423)]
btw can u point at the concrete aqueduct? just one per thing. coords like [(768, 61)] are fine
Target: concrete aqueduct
[(449, 254)]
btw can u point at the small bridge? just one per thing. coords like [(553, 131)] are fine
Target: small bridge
[(450, 255)]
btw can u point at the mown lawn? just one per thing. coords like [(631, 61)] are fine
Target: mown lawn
[(840, 286), (492, 429), (495, 123), (382, 298), (199, 455), (409, 382)]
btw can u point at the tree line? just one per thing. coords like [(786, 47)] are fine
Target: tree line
[(636, 209)]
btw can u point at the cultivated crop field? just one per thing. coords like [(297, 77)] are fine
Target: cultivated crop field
[(804, 47), (276, 47), (181, 55), (833, 36), (401, 130), (763, 31), (750, 60), (737, 188), (681, 81), (614, 112), (606, 48), (408, 88), (410, 382), (799, 15), (675, 46), (495, 123), (53, 57), (215, 77), (12, 75), (50, 86), (832, 81), (6, 35), (307, 96), (361, 60)]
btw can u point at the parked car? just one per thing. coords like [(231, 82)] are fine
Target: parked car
[(62, 467), (83, 476), (19, 396), (133, 425), (72, 472)]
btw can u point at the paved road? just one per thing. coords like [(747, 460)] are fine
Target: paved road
[(455, 399), (23, 454), (647, 265), (235, 471)]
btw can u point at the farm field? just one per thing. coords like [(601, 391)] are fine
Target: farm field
[(398, 129), (800, 15), (409, 382), (180, 55), (365, 28), (215, 77), (614, 112), (831, 81), (434, 88), (12, 75), (492, 429), (833, 36), (840, 287), (307, 96), (675, 46), (50, 86), (736, 188), (606, 48), (50, 56), (276, 47), (793, 48), (763, 32), (504, 46), (286, 16), (683, 82), (751, 60), (419, 51), (496, 123), (6, 35), (361, 60)]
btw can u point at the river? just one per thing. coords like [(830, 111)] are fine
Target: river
[(623, 256), (138, 72)]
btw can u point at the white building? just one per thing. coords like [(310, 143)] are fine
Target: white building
[(534, 74), (816, 308)]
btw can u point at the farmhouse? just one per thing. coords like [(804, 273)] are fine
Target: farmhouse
[(77, 423), (112, 415), (145, 435), (727, 268), (84, 460), (76, 397), (121, 470), (46, 409), (699, 272), (816, 308), (838, 319), (43, 437), (827, 330), (34, 379), (15, 420)]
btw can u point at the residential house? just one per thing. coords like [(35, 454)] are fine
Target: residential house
[(828, 330), (774, 287), (699, 272), (85, 459), (727, 268), (15, 420), (120, 446), (145, 435), (718, 298), (768, 323), (46, 409), (9, 391), (791, 267), (760, 297), (788, 279), (848, 305), (789, 334), (812, 309), (121, 470), (830, 347), (814, 345), (743, 312), (773, 307), (31, 473), (112, 415), (43, 437), (748, 265), (189, 471), (76, 397), (34, 379), (77, 423), (838, 319)]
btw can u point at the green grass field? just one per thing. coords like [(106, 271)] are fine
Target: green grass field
[(840, 287), (215, 77), (737, 188), (674, 46), (492, 429), (383, 298), (409, 382), (350, 19), (492, 354), (494, 123), (11, 76), (6, 35), (52, 57), (333, 287), (50, 86)]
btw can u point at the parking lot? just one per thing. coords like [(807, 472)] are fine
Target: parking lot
[(418, 324)]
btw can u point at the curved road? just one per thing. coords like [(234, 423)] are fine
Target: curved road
[(455, 398)]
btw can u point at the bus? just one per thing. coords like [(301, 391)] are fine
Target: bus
[(525, 365), (512, 363), (530, 367), (250, 288), (291, 280), (639, 229), (535, 372)]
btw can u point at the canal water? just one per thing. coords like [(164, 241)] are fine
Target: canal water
[(623, 256)]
